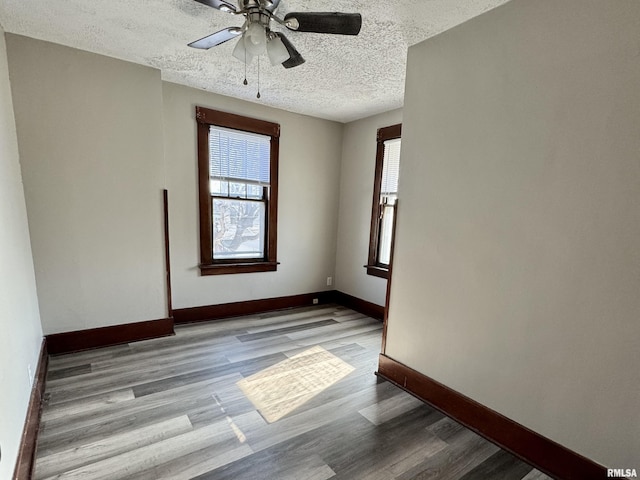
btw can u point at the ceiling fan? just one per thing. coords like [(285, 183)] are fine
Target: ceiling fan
[(257, 36)]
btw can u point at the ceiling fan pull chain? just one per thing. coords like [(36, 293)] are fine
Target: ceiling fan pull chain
[(258, 95), (245, 64)]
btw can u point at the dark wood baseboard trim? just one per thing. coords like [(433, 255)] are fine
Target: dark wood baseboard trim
[(250, 307), (106, 336), (27, 451), (359, 305), (253, 307), (544, 454)]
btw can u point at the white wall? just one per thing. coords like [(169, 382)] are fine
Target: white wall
[(356, 193), (94, 160), (516, 276), (90, 136), (21, 333), (308, 190)]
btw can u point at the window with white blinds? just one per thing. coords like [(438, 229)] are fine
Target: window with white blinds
[(391, 167), (385, 197), (388, 197), (239, 164), (239, 207), (236, 155)]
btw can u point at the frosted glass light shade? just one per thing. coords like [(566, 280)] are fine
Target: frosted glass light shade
[(277, 52), (241, 53), (255, 39)]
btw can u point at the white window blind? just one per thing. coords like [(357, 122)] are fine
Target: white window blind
[(390, 167), (239, 156)]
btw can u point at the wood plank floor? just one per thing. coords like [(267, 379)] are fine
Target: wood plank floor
[(289, 395)]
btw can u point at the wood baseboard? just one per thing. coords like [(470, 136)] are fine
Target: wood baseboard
[(26, 453), (544, 454), (113, 335), (106, 336), (354, 303), (251, 307)]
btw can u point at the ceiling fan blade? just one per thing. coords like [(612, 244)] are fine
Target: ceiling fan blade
[(216, 38), (295, 59), (219, 5), (320, 22)]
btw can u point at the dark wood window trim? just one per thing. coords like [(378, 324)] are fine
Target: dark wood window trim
[(206, 117), (374, 267)]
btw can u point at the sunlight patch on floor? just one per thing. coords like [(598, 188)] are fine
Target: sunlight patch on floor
[(281, 388)]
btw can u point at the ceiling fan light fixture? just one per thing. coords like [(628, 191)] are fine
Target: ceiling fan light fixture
[(241, 53), (255, 39), (276, 50)]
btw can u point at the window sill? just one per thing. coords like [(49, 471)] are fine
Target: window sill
[(230, 268), (377, 271)]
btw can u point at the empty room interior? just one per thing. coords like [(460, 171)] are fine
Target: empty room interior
[(405, 248)]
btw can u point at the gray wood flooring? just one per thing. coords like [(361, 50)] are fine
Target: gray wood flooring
[(289, 395)]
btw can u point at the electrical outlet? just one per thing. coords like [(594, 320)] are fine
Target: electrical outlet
[(315, 301), (329, 281)]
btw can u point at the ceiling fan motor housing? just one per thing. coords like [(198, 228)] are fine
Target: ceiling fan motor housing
[(262, 4), (256, 15)]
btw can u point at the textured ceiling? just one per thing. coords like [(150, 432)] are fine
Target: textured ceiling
[(344, 78)]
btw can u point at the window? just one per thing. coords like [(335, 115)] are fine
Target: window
[(238, 192), (385, 200)]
